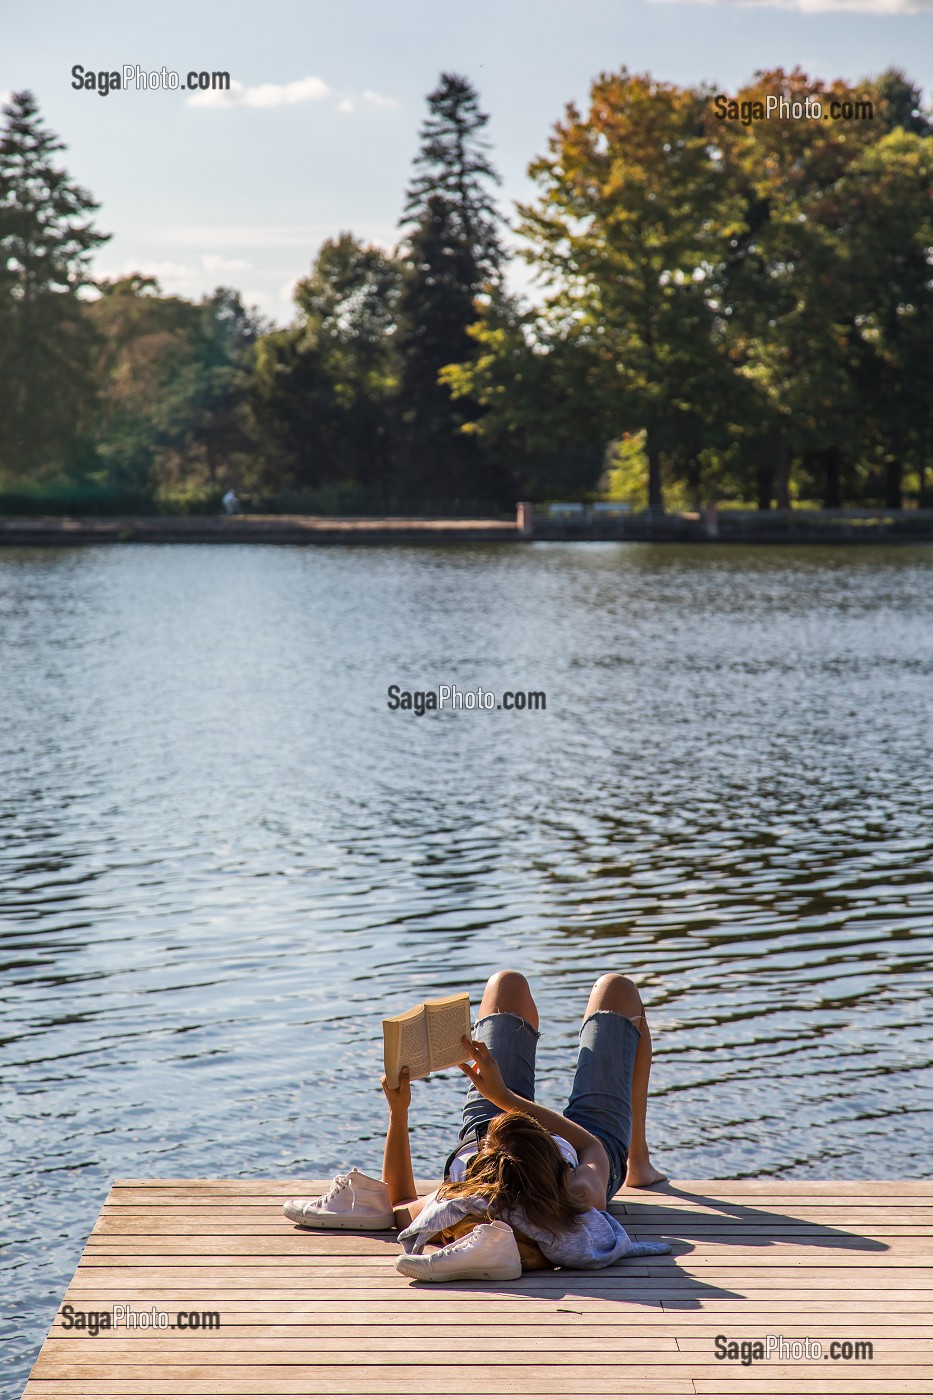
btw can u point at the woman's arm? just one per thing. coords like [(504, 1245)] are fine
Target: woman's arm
[(396, 1163), (591, 1176)]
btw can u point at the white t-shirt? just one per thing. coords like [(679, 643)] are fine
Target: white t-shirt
[(467, 1152)]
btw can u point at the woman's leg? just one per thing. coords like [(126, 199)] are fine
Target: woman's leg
[(613, 992), (507, 1021), (509, 991)]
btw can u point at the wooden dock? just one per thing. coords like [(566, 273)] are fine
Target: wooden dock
[(307, 1313), (254, 529)]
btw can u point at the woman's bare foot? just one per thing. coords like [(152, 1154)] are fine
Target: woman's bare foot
[(642, 1173)]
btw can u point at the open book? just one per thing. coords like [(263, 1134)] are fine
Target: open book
[(427, 1037)]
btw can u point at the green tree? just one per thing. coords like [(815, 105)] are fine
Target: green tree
[(882, 210), (173, 378), (205, 431), (796, 288), (537, 390), (322, 391), (46, 244), (900, 103)]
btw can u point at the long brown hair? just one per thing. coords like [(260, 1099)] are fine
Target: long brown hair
[(520, 1165)]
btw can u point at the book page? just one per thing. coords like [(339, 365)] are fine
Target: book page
[(448, 1020), (413, 1048)]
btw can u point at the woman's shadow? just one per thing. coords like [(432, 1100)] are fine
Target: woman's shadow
[(664, 1281)]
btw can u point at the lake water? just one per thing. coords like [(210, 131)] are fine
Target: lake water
[(223, 859)]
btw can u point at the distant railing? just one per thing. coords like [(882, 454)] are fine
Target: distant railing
[(617, 520)]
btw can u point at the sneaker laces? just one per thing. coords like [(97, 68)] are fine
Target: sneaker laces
[(459, 1245), (340, 1182)]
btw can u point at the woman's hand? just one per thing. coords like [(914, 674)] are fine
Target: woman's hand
[(399, 1098), (485, 1074)]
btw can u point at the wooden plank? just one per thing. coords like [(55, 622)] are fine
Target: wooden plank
[(234, 1208), (419, 1299), (825, 1250), (633, 1328), (733, 1190), (132, 1362), (755, 1232), (323, 1264), (65, 1390), (406, 1381), (755, 1187), (240, 1344), (318, 1379), (131, 1390), (307, 1282), (337, 1349), (802, 1386)]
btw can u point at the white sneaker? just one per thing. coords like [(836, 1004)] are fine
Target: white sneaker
[(489, 1251), (351, 1202)]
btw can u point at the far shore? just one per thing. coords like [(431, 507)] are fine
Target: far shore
[(569, 522)]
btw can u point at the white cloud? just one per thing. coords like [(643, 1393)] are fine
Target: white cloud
[(287, 289), (348, 103), (308, 89), (213, 262), (5, 97), (249, 236), (254, 237), (812, 7), (179, 272)]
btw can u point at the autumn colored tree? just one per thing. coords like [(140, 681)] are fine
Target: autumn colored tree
[(628, 236)]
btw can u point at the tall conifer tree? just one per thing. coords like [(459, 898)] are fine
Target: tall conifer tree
[(452, 254), (46, 244), (453, 163)]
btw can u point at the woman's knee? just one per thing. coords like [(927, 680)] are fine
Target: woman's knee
[(613, 992), (508, 990), (508, 981)]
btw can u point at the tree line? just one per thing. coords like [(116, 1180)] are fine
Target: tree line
[(723, 307)]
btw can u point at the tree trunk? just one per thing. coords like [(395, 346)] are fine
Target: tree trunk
[(893, 482), (655, 489), (694, 491), (764, 478), (782, 476), (831, 460)]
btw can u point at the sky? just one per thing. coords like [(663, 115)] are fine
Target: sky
[(321, 127)]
